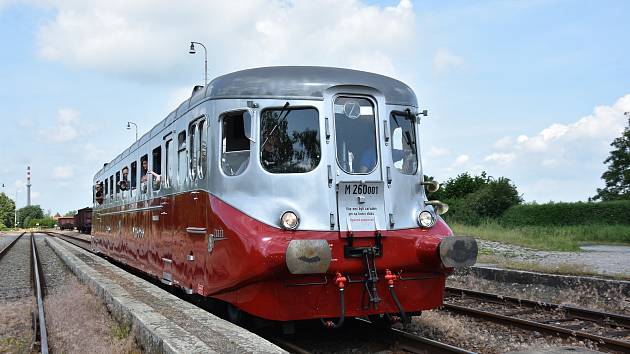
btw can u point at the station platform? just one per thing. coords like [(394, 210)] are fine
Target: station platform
[(161, 322)]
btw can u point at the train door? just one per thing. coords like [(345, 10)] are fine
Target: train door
[(195, 246), (163, 250), (359, 177), (361, 181)]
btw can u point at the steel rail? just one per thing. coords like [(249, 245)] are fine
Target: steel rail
[(570, 311), (603, 342), (412, 342), (71, 239), (43, 336), (6, 249)]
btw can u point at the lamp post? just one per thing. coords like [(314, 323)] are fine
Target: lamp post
[(205, 51), (135, 125)]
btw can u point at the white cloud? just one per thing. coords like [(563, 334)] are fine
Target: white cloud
[(63, 172), (557, 141), (444, 60), (435, 151), (606, 123), (66, 129), (149, 38), (503, 143), (19, 184), (461, 160), (500, 158), (92, 153)]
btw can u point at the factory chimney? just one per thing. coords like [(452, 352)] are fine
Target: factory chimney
[(28, 186)]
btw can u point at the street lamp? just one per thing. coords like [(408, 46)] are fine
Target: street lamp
[(193, 51), (135, 125)]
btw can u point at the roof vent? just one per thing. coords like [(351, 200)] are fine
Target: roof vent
[(196, 88)]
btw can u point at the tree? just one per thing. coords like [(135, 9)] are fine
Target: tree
[(617, 177), (7, 210), (70, 213), (475, 198), (28, 213)]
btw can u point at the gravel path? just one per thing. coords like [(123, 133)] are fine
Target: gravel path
[(55, 272), (609, 260), (15, 271)]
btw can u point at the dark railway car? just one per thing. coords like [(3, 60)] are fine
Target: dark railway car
[(287, 193), (66, 222), (83, 220)]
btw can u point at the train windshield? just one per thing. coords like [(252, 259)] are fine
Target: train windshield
[(355, 132), (290, 140), (403, 142)]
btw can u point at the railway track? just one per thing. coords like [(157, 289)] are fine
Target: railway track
[(77, 241), (611, 332), (16, 263), (361, 333), (41, 335)]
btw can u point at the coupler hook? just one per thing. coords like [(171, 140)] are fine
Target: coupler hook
[(340, 281), (390, 284)]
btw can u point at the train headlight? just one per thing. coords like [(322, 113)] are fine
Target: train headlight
[(289, 220), (426, 219)]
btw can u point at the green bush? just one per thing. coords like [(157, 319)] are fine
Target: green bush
[(45, 222), (473, 200), (565, 214)]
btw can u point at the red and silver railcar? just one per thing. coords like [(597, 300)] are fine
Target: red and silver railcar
[(289, 193)]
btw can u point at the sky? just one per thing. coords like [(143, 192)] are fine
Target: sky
[(530, 90)]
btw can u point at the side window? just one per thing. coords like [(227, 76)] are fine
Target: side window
[(203, 146), (111, 186), (156, 173), (134, 175), (144, 170), (117, 184), (234, 144), (289, 140), (124, 182), (182, 169), (192, 150), (404, 147), (167, 162), (106, 187), (99, 192)]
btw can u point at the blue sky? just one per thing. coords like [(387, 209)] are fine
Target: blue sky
[(531, 90)]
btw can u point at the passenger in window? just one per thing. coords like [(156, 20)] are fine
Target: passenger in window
[(145, 177), (99, 192), (269, 150), (124, 184), (367, 161)]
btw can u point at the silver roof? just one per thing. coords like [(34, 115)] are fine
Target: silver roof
[(308, 82)]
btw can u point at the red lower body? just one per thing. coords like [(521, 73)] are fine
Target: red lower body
[(246, 265)]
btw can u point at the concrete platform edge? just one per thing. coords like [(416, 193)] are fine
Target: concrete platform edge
[(552, 280), (152, 332)]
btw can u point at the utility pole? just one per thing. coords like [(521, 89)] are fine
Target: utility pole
[(28, 186)]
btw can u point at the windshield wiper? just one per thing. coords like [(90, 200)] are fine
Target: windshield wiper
[(277, 124)]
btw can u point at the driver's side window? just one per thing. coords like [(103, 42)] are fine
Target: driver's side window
[(235, 145)]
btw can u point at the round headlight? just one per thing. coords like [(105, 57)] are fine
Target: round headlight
[(426, 219), (289, 220)]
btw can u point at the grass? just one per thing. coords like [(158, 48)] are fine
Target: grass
[(551, 238)]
